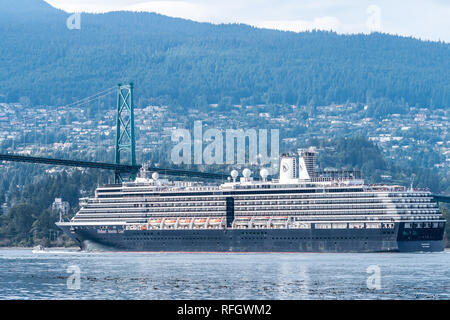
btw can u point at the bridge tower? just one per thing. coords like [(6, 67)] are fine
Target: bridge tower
[(125, 140)]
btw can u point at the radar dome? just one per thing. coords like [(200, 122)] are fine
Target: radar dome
[(234, 174), (155, 175), (246, 173), (264, 173)]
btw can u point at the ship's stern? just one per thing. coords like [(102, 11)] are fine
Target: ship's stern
[(421, 237)]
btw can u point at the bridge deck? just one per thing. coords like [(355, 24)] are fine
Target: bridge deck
[(118, 168), (441, 198)]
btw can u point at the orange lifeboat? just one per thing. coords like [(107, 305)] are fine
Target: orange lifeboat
[(200, 221), (154, 222), (170, 222), (215, 221), (184, 221)]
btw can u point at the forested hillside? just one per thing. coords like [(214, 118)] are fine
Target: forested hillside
[(361, 154), (192, 64), (30, 220)]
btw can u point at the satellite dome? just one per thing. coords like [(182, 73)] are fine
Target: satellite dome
[(234, 174), (155, 175), (264, 173), (246, 173)]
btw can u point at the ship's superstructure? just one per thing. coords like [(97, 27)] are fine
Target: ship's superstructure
[(302, 211)]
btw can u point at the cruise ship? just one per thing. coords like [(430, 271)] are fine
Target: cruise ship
[(303, 210)]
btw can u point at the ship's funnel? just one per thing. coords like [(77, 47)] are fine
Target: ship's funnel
[(288, 168), (307, 163)]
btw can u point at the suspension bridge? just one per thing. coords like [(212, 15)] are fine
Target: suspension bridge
[(125, 166)]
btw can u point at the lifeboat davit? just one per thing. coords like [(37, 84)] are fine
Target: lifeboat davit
[(279, 220), (261, 220), (242, 220)]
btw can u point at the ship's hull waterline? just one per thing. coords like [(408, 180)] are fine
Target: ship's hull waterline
[(256, 240)]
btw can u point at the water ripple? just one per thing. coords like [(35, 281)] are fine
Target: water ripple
[(24, 275)]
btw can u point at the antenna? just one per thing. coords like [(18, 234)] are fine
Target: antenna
[(412, 181)]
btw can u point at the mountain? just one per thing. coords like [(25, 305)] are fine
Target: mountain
[(192, 64)]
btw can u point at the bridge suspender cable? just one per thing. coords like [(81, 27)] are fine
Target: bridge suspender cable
[(100, 94)]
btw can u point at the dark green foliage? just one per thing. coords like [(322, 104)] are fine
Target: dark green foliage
[(361, 154), (185, 63), (31, 221), (21, 219), (353, 153)]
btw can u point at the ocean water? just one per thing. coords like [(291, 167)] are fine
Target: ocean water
[(71, 274)]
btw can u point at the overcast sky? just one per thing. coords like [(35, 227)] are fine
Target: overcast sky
[(424, 19)]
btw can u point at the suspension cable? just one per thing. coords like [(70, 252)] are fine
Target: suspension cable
[(92, 97)]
